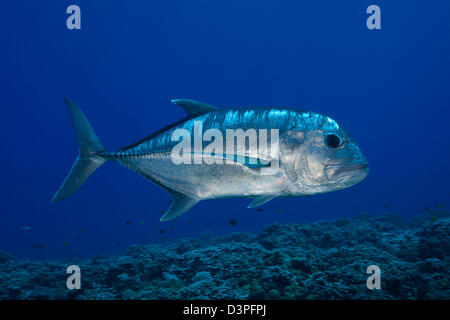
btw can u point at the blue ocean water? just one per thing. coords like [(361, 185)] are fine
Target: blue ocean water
[(388, 87)]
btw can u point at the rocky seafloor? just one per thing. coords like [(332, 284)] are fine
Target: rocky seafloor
[(322, 260)]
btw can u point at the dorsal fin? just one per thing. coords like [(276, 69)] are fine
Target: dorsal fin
[(193, 107), (153, 134)]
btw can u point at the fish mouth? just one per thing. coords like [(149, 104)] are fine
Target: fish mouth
[(338, 172)]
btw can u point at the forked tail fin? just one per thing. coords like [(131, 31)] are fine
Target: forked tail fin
[(89, 157)]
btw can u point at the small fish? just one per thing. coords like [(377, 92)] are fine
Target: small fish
[(386, 205), (41, 246), (315, 206), (65, 244), (280, 211), (141, 222), (259, 209), (233, 222), (127, 222), (317, 153), (27, 228), (162, 231)]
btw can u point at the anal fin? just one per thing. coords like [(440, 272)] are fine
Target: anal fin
[(260, 200), (181, 203)]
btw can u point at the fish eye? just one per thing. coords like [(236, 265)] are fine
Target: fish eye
[(334, 141)]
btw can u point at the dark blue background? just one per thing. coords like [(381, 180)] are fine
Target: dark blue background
[(389, 88)]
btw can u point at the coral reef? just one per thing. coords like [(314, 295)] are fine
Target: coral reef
[(323, 260)]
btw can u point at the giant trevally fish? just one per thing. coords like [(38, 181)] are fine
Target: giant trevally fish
[(314, 155)]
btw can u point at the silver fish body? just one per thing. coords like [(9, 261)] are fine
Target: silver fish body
[(315, 155)]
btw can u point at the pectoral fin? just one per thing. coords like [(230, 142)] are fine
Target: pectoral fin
[(250, 162), (260, 200), (181, 203)]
